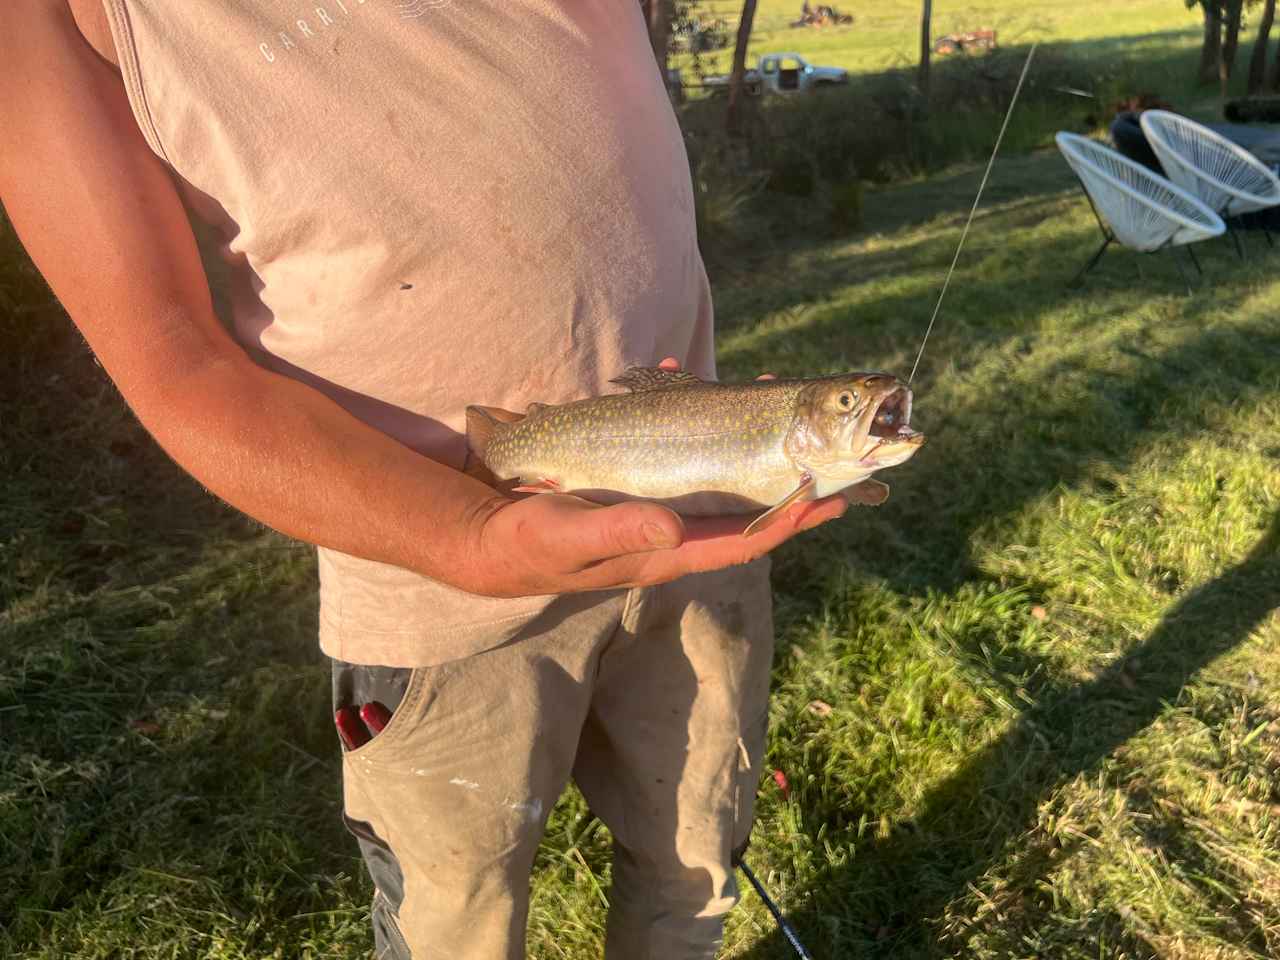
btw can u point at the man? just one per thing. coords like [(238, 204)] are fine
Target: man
[(424, 204)]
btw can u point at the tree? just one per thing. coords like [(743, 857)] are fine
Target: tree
[(1221, 38), (1273, 79), (925, 48), (1232, 12), (1258, 61), (1211, 48), (739, 63)]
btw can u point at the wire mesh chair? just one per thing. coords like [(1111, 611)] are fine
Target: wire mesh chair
[(1228, 178), (1135, 206)]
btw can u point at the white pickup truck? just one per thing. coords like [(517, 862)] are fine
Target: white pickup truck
[(783, 73)]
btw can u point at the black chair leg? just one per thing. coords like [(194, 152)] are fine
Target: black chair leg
[(1093, 262), (1194, 260), (1235, 238), (1182, 273)]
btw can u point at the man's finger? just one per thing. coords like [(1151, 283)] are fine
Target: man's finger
[(711, 543), (602, 533), (818, 512), (801, 516), (669, 363)]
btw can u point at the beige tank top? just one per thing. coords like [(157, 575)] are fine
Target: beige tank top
[(425, 204)]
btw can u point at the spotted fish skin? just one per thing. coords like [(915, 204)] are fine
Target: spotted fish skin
[(700, 447)]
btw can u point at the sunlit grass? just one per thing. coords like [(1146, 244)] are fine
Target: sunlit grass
[(887, 35)]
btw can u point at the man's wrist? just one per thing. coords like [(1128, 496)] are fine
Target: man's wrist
[(461, 557)]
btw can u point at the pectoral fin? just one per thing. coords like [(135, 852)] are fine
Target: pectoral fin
[(869, 493), (541, 485), (803, 491)]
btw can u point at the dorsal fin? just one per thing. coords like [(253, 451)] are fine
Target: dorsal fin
[(654, 378)]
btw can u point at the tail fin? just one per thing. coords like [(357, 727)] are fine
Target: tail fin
[(481, 424)]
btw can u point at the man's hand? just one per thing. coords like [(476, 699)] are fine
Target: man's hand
[(554, 543)]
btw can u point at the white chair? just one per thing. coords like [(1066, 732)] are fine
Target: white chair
[(1135, 206), (1227, 177)]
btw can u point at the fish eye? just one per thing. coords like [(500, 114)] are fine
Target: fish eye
[(845, 399)]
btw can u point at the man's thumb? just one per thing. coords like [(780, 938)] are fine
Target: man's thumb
[(630, 528)]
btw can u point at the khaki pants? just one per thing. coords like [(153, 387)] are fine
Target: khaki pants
[(655, 701)]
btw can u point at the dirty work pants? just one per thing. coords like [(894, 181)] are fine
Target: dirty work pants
[(655, 702)]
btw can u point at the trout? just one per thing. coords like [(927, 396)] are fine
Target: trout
[(704, 448)]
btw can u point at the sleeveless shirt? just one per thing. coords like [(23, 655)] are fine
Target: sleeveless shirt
[(424, 204)]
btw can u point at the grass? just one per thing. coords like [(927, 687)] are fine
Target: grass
[(1052, 656), (886, 35), (1028, 708)]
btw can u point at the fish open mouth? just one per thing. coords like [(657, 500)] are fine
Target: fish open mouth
[(891, 439), (893, 415)]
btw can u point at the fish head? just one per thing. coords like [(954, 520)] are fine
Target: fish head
[(850, 426)]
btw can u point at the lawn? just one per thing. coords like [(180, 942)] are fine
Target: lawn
[(1028, 708), (886, 35)]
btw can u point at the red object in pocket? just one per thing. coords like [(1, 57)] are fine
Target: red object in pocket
[(375, 715), (353, 733)]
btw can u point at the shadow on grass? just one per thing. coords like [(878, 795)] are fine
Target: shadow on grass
[(927, 863), (167, 747)]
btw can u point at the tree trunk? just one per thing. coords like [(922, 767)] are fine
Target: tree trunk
[(1230, 43), (1273, 78), (1273, 75), (1211, 49), (739, 63), (657, 16), (925, 49), (1258, 61)]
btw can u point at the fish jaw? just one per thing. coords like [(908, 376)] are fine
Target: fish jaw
[(886, 453), (891, 451)]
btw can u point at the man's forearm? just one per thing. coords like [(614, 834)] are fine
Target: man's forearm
[(289, 456)]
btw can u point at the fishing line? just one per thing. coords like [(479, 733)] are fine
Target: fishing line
[(974, 209)]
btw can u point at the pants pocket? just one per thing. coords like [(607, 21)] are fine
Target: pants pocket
[(397, 688)]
